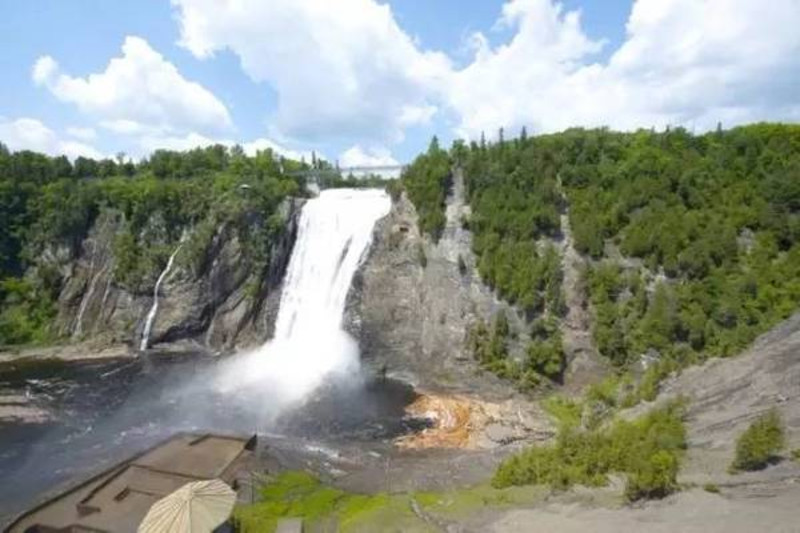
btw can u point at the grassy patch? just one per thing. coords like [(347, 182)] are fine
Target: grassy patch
[(299, 494), (566, 411), (465, 501), (711, 487)]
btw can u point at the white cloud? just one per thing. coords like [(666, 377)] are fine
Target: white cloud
[(342, 68), (683, 62), (130, 127), (347, 70), (357, 156), (32, 134), (84, 134), (257, 145), (376, 156), (150, 143), (139, 89)]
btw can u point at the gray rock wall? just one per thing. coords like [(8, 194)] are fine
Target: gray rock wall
[(228, 304), (412, 315)]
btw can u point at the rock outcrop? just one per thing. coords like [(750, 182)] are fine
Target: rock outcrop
[(224, 303), (584, 363), (724, 396), (413, 301)]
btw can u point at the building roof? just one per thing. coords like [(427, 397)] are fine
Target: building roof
[(117, 499)]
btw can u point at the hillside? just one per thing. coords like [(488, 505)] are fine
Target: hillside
[(84, 245), (685, 246)]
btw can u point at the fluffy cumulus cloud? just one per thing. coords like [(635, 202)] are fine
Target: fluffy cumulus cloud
[(347, 69), (139, 91), (358, 156), (32, 134), (149, 143), (346, 73), (341, 69), (686, 62), (82, 133)]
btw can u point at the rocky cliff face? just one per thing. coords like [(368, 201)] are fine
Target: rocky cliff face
[(725, 395), (411, 305), (226, 302)]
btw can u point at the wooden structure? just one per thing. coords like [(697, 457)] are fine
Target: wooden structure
[(117, 499)]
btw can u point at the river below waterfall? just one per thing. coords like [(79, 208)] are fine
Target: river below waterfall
[(104, 413), (306, 383)]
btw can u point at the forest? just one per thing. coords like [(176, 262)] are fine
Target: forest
[(695, 238), (49, 204), (691, 240)]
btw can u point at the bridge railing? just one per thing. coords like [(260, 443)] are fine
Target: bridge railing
[(346, 171)]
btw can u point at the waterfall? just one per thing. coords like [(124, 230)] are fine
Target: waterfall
[(151, 315), (334, 234), (87, 297)]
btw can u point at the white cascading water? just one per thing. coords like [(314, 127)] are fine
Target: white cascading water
[(151, 315), (334, 234), (87, 297)]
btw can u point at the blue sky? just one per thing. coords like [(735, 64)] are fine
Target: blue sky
[(364, 82)]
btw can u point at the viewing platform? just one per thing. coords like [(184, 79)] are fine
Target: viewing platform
[(117, 499)]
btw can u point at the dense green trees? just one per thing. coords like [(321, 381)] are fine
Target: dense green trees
[(715, 214), (544, 354), (427, 181), (48, 203), (694, 237), (515, 201), (693, 244)]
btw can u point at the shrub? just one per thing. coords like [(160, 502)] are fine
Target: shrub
[(566, 411), (647, 450), (796, 455), (395, 189), (711, 487), (26, 312), (655, 478), (547, 357), (760, 443)]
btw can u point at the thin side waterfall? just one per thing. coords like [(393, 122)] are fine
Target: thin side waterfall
[(151, 315), (334, 234), (85, 302), (87, 295)]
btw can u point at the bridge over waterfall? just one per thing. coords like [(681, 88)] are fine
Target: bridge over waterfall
[(315, 175)]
